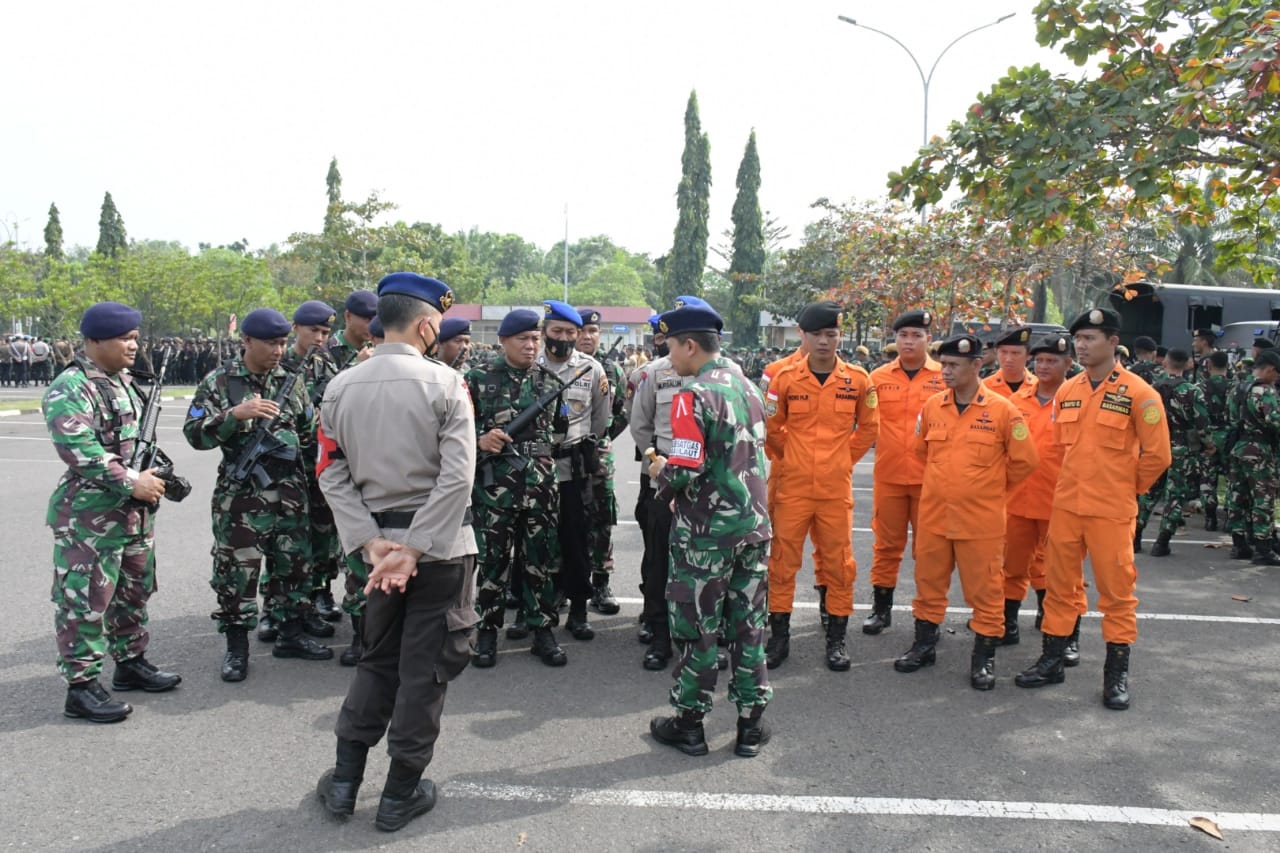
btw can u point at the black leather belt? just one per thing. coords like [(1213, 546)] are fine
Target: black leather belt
[(400, 519), (532, 448)]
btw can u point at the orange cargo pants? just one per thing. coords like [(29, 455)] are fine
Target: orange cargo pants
[(1024, 541), (830, 524), (981, 579), (1109, 545), (895, 507)]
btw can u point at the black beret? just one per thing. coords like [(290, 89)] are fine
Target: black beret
[(820, 315), (1054, 344), (914, 320), (451, 328), (964, 346), (108, 320), (1263, 343), (1145, 344), (1018, 336), (1096, 318), (590, 316), (266, 324), (375, 328), (690, 319), (363, 303), (430, 290), (518, 321), (1268, 356), (314, 313)]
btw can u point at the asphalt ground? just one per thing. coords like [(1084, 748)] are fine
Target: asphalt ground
[(535, 758)]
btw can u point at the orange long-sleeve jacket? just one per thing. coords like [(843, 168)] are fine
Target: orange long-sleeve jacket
[(818, 431), (996, 383), (1033, 497), (971, 459), (900, 398), (1115, 443)]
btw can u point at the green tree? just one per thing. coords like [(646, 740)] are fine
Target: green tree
[(53, 235), (747, 264), (112, 239), (327, 250), (688, 258), (615, 283)]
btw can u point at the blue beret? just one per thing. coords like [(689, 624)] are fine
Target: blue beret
[(108, 320), (690, 319), (314, 313), (266, 324), (430, 290), (375, 328), (653, 323), (964, 346), (590, 316), (554, 309), (691, 302), (451, 328), (363, 303), (518, 321)]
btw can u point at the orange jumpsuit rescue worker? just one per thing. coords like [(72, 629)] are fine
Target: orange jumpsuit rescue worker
[(1116, 444), (821, 420), (901, 386), (1011, 356), (974, 446), (1030, 501)]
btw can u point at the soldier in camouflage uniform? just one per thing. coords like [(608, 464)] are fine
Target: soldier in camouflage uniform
[(1216, 385), (1254, 410), (455, 344), (1189, 439), (603, 509), (103, 543), (515, 500), (353, 343), (258, 525), (1145, 364), (719, 536)]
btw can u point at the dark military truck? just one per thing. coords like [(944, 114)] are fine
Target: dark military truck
[(1170, 313)]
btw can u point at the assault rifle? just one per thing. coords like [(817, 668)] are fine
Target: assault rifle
[(523, 421), (264, 444), (146, 451)]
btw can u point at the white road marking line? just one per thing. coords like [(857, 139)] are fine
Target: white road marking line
[(1076, 812)]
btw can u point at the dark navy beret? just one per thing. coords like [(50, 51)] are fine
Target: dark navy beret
[(518, 321), (375, 328), (913, 320), (1018, 336), (554, 309), (964, 346), (1096, 318), (691, 302), (820, 315), (314, 313), (363, 303), (430, 290), (266, 324), (1054, 344), (590, 316), (108, 320), (453, 327), (690, 319)]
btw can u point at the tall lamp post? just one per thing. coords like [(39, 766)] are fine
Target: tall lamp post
[(926, 79)]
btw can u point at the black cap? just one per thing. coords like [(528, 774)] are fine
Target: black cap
[(913, 320), (1263, 343), (1096, 318), (820, 315), (1019, 336), (964, 346), (1053, 344)]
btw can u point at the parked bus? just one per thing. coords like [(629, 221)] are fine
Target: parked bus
[(1171, 313)]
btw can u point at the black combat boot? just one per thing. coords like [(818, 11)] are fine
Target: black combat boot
[(659, 652), (645, 634), (1137, 539), (778, 647), (89, 700), (1011, 636), (1161, 546), (1264, 555), (138, 674), (837, 655), (355, 651), (881, 610), (313, 623), (518, 629), (293, 643), (339, 785), (923, 651), (1240, 549), (322, 601), (1039, 607), (546, 647), (267, 629), (577, 624), (823, 615), (602, 598), (405, 795), (752, 734), (1071, 653), (1115, 677), (235, 663), (982, 663), (486, 653), (683, 731), (1211, 519), (1048, 669)]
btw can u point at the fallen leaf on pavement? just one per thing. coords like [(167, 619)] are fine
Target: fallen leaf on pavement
[(1207, 826), (524, 836), (1213, 545), (1241, 598)]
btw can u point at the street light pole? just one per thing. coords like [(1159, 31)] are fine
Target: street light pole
[(926, 79)]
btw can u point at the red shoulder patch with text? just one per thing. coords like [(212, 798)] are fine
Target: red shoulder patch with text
[(329, 450), (688, 448)]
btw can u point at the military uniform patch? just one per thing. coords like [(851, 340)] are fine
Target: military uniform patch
[(1020, 431), (1152, 415)]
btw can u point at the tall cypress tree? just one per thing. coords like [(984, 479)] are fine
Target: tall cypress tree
[(330, 270), (747, 263), (112, 239), (53, 235), (688, 256)]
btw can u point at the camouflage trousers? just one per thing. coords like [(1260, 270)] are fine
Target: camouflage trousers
[(1176, 487), (1251, 496), (357, 576), (100, 592), (706, 589), (602, 517), (503, 533), (253, 536), (1212, 467), (326, 549)]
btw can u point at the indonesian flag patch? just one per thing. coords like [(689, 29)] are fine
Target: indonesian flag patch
[(687, 442)]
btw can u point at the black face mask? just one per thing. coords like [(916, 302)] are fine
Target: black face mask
[(662, 350), (431, 350), (558, 348)]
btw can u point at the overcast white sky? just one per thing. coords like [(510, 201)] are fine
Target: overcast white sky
[(211, 122)]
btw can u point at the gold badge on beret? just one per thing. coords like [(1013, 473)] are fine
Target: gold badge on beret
[(546, 309), (1023, 337), (446, 299), (679, 303), (662, 326), (839, 318), (332, 317)]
